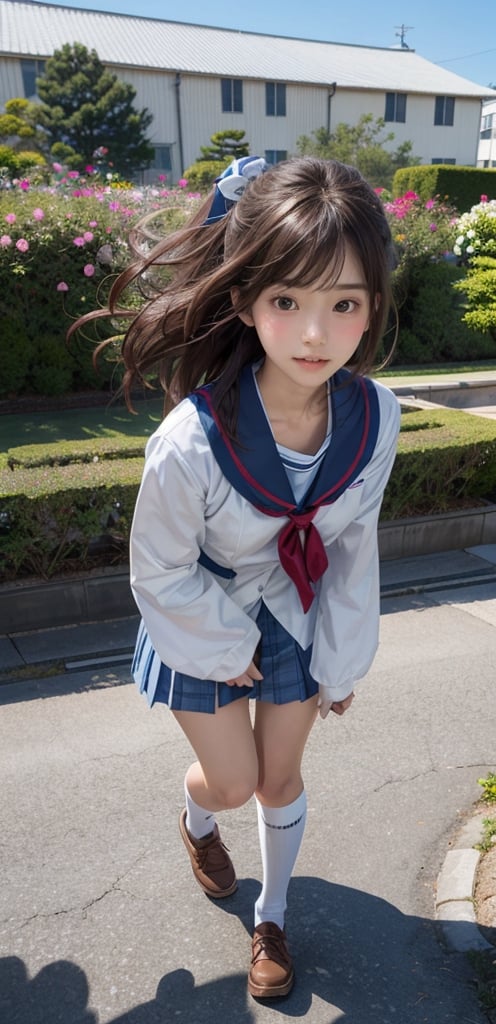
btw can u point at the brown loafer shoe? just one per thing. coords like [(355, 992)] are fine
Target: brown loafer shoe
[(211, 863), (271, 973)]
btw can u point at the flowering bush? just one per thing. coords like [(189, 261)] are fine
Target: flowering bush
[(475, 246), (62, 243), (476, 231), (422, 231), (431, 322)]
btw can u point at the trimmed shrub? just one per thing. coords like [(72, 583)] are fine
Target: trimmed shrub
[(461, 186), (432, 328), (57, 518)]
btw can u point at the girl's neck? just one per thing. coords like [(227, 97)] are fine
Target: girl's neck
[(284, 399), (298, 420)]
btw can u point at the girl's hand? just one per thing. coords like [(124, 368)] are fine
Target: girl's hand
[(246, 678), (337, 706)]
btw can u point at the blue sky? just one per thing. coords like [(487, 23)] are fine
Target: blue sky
[(463, 40)]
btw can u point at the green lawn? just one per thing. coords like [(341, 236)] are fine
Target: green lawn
[(421, 371), (79, 424)]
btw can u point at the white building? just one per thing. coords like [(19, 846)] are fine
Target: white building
[(486, 156), (197, 80)]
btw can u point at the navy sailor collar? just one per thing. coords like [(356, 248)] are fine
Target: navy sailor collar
[(253, 466)]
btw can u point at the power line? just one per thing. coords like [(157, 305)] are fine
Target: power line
[(451, 60)]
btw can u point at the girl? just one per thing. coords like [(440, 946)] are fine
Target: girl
[(254, 545)]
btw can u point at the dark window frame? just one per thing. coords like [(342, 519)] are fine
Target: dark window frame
[(444, 111), (275, 99), (395, 107), (231, 95)]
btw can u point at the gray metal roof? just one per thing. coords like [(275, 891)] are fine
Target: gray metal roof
[(35, 30)]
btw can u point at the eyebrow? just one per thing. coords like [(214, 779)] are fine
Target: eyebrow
[(346, 287)]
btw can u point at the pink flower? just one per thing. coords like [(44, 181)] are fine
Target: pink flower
[(114, 206), (89, 169), (182, 183), (57, 168), (73, 174), (10, 218), (5, 240), (88, 270), (24, 184), (379, 191), (483, 199), (62, 287), (38, 213), (78, 241), (429, 204), (93, 223), (433, 227), (410, 195), (22, 245), (162, 177), (88, 236)]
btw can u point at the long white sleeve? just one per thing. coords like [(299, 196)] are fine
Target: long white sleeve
[(194, 626), (347, 627)]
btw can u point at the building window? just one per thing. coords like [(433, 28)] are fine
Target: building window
[(274, 156), (395, 106), (443, 160), (275, 99), (232, 95), (444, 110), (160, 167), (488, 126), (31, 70)]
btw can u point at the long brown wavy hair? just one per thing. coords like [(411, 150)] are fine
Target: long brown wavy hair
[(292, 224)]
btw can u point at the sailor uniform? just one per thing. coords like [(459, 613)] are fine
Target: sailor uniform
[(219, 543)]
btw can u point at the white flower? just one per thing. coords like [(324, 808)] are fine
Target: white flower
[(470, 248), (457, 251), (471, 233)]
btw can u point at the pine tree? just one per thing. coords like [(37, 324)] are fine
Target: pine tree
[(85, 108)]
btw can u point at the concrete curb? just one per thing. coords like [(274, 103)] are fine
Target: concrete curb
[(455, 911)]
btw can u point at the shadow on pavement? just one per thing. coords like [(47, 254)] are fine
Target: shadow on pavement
[(352, 950)]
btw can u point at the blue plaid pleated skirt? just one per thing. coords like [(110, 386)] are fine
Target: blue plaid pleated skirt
[(285, 667)]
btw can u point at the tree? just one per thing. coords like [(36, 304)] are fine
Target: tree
[(85, 107), (361, 145), (226, 145), (19, 122)]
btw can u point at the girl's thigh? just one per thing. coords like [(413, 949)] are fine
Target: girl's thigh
[(224, 745), (281, 732)]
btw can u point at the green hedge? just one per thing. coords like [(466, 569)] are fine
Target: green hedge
[(462, 186), (57, 518), (444, 455)]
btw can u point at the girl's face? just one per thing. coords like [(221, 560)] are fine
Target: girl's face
[(309, 333)]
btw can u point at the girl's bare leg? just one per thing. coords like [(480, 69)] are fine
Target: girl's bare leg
[(281, 732), (226, 772)]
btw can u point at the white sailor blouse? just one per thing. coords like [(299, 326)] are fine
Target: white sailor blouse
[(216, 530)]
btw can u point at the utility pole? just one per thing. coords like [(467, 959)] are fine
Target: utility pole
[(403, 29)]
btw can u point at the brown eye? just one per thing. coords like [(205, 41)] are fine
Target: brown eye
[(345, 306), (284, 303)]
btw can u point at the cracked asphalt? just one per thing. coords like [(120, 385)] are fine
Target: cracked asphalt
[(101, 922)]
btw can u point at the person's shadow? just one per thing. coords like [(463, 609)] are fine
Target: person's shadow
[(351, 949)]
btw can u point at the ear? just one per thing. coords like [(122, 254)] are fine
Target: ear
[(244, 315)]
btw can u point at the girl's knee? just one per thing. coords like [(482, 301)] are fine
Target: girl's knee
[(233, 793), (279, 792)]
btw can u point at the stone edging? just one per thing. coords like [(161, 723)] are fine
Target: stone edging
[(455, 910), (105, 594)]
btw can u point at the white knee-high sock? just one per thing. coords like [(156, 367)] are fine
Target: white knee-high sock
[(199, 821), (280, 830)]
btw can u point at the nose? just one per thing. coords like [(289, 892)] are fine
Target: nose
[(314, 333)]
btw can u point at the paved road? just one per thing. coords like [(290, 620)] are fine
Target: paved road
[(101, 921)]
